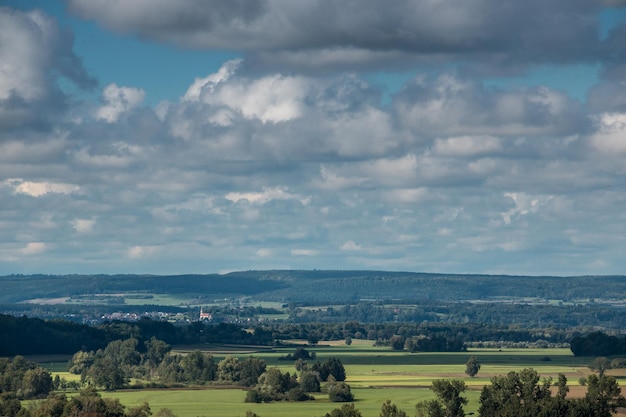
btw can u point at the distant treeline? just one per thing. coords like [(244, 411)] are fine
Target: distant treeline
[(497, 314), (598, 344), (29, 336)]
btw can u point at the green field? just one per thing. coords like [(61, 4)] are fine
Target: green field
[(375, 375), (230, 402)]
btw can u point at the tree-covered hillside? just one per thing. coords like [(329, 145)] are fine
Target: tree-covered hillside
[(321, 286)]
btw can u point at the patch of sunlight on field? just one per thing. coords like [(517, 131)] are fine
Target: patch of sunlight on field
[(67, 376), (401, 374), (157, 299)]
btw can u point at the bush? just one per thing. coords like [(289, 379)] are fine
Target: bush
[(618, 363), (310, 381), (254, 396), (298, 394), (340, 392)]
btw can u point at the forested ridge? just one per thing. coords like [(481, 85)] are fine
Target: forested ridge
[(320, 286)]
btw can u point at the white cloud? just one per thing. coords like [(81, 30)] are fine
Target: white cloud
[(208, 84), (34, 248), (407, 195), (463, 146), (264, 252), (275, 98), (448, 105), (524, 204), (267, 195), (141, 252), (304, 252), (38, 189), (332, 181), (350, 246), (444, 231), (392, 171), (611, 134), (83, 225), (118, 100)]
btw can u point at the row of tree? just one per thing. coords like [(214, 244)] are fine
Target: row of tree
[(112, 367), (274, 385)]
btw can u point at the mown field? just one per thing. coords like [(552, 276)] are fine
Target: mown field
[(374, 373)]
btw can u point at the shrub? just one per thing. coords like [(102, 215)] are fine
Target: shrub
[(340, 392), (298, 394)]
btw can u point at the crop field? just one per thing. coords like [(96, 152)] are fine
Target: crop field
[(375, 375)]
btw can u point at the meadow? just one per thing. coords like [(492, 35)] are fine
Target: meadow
[(375, 374)]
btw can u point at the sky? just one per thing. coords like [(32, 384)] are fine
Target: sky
[(196, 136)]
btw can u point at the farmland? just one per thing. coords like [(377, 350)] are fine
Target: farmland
[(374, 373)]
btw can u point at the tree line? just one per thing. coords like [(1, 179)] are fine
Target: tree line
[(519, 394), (87, 404), (113, 367), (28, 336), (598, 344), (556, 316)]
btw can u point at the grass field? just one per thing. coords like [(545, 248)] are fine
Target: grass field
[(230, 402), (374, 373)]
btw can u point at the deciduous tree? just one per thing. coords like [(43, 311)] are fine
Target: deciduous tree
[(472, 366)]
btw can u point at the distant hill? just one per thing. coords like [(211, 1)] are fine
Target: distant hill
[(321, 286)]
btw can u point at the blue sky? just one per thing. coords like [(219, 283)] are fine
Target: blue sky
[(207, 136)]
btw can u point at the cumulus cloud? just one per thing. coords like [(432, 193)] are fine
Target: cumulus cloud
[(350, 246), (38, 189), (267, 195), (140, 252), (83, 225), (523, 205), (118, 100), (33, 248), (611, 134), (456, 106), (467, 145)]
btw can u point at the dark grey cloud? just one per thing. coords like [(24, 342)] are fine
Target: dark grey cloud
[(185, 22), (608, 96), (339, 33), (35, 53)]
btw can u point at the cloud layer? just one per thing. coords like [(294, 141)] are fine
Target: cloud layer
[(265, 164), (320, 35)]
